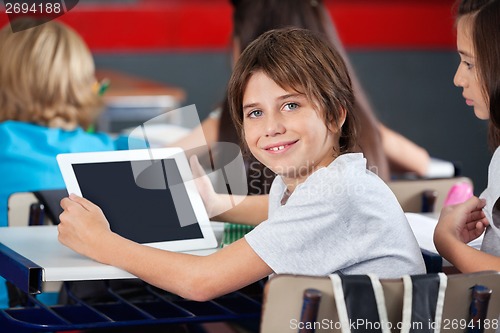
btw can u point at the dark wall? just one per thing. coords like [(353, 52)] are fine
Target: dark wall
[(412, 92)]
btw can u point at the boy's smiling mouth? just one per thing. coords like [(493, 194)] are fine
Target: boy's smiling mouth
[(280, 146)]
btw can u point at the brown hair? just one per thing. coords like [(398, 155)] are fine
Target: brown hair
[(485, 15), (301, 60), (466, 7), (486, 38), (252, 18), (47, 75)]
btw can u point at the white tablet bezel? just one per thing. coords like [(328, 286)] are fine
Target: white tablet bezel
[(66, 162)]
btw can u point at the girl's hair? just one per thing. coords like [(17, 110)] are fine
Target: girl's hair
[(47, 75), (466, 7), (301, 60), (486, 36), (484, 16), (252, 18)]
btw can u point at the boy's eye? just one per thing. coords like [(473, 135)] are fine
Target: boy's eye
[(255, 114), (291, 106)]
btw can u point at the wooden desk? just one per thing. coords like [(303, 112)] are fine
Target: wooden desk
[(124, 85), (132, 100)]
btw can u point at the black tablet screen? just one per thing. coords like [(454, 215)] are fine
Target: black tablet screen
[(142, 213)]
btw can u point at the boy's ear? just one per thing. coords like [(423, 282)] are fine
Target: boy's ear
[(340, 121), (342, 117)]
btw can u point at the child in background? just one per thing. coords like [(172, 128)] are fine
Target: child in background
[(290, 95), (47, 101), (478, 44)]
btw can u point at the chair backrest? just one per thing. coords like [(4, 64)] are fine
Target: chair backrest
[(19, 208), (283, 302), (410, 192), (20, 204)]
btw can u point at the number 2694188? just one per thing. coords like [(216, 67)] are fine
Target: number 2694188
[(42, 7)]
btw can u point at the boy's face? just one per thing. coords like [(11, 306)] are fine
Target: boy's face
[(466, 76), (284, 131)]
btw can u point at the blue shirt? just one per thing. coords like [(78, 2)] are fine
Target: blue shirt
[(28, 161)]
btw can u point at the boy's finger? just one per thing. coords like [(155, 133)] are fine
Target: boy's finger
[(82, 201), (64, 203)]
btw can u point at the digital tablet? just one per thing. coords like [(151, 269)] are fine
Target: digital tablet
[(147, 195)]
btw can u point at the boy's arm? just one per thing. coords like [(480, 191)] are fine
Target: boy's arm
[(85, 229), (250, 210)]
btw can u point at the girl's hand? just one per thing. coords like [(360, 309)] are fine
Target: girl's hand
[(465, 221), (83, 226)]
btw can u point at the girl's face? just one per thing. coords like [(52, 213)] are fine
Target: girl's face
[(284, 131), (466, 76)]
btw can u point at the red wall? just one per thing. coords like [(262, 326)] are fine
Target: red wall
[(153, 25)]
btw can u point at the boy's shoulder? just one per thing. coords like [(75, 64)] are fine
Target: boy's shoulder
[(349, 175), (350, 166), (345, 176)]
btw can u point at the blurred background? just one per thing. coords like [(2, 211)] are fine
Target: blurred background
[(174, 53)]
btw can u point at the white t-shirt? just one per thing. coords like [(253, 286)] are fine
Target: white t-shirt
[(343, 218), (491, 241)]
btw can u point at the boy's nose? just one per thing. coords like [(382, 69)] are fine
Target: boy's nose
[(274, 126)]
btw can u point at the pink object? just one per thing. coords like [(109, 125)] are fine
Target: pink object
[(458, 193)]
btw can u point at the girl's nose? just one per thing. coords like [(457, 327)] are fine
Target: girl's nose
[(458, 79)]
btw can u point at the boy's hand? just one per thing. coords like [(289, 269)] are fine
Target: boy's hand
[(83, 226)]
